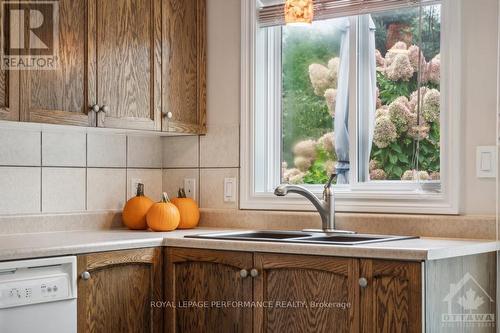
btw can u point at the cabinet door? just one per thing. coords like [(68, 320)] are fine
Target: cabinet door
[(313, 290), (392, 299), (128, 56), (65, 94), (117, 295), (208, 277), (184, 66)]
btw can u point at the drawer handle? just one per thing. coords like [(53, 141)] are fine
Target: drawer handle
[(254, 272), (85, 275), (363, 282), (243, 273)]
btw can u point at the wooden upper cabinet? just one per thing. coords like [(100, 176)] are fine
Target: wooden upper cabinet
[(117, 291), (184, 66), (65, 94), (392, 299), (9, 95), (207, 276), (311, 287), (128, 63)]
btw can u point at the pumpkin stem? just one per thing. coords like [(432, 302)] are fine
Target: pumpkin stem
[(164, 197), (140, 190), (181, 193)]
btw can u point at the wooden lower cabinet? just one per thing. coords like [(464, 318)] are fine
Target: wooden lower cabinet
[(392, 299), (197, 281), (115, 291), (305, 294), (291, 293)]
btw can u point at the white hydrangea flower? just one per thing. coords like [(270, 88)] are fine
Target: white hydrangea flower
[(378, 174), (400, 68), (431, 106), (320, 78), (302, 163), (433, 74), (330, 167), (333, 67), (306, 148), (289, 173), (327, 142), (331, 100), (413, 54), (399, 113), (384, 132), (398, 48), (414, 175)]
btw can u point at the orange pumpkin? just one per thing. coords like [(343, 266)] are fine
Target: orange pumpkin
[(135, 210), (188, 208), (163, 215)]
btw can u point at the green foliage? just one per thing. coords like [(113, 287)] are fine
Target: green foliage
[(305, 115), (317, 173), (389, 91)]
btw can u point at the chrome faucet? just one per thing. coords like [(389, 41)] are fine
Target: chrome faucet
[(325, 207)]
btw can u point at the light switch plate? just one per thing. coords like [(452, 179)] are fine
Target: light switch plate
[(229, 189), (486, 162), (190, 188)]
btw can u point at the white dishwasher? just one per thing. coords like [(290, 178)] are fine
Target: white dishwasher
[(38, 295)]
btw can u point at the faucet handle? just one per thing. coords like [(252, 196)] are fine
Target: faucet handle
[(332, 177)]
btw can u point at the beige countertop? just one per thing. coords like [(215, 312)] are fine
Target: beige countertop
[(35, 245)]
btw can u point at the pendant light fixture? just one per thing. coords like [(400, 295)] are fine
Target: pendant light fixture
[(298, 12)]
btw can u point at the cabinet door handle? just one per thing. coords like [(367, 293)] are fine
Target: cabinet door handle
[(168, 114), (254, 272), (85, 275), (104, 109), (243, 273), (363, 282), (95, 108)]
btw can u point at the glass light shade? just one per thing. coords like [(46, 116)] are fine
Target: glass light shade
[(299, 12)]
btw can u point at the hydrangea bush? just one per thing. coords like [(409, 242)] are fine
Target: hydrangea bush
[(406, 120)]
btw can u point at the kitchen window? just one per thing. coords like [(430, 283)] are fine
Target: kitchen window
[(370, 92)]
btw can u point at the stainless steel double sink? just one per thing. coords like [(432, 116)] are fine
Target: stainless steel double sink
[(300, 237)]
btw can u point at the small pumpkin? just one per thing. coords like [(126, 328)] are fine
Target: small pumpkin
[(135, 210), (163, 215), (188, 209)]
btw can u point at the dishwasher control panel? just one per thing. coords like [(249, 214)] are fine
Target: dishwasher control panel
[(37, 281), (30, 291)]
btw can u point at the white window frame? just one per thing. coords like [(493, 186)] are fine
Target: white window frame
[(377, 197)]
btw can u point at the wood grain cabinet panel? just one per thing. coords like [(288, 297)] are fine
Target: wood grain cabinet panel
[(128, 46), (392, 299), (117, 295), (184, 65), (209, 276), (63, 95), (308, 294)]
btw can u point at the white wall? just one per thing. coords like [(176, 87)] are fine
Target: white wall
[(479, 103)]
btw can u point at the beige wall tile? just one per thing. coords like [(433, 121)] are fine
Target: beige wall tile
[(173, 179), (64, 149), (144, 152), (212, 188), (20, 190), (63, 190), (106, 150), (106, 189), (180, 152), (220, 147), (20, 147), (152, 180)]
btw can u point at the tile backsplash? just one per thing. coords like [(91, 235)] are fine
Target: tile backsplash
[(67, 170)]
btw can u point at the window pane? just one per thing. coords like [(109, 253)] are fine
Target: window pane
[(406, 134), (310, 68)]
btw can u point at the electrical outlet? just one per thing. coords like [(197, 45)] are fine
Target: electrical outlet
[(133, 186), (190, 188)]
